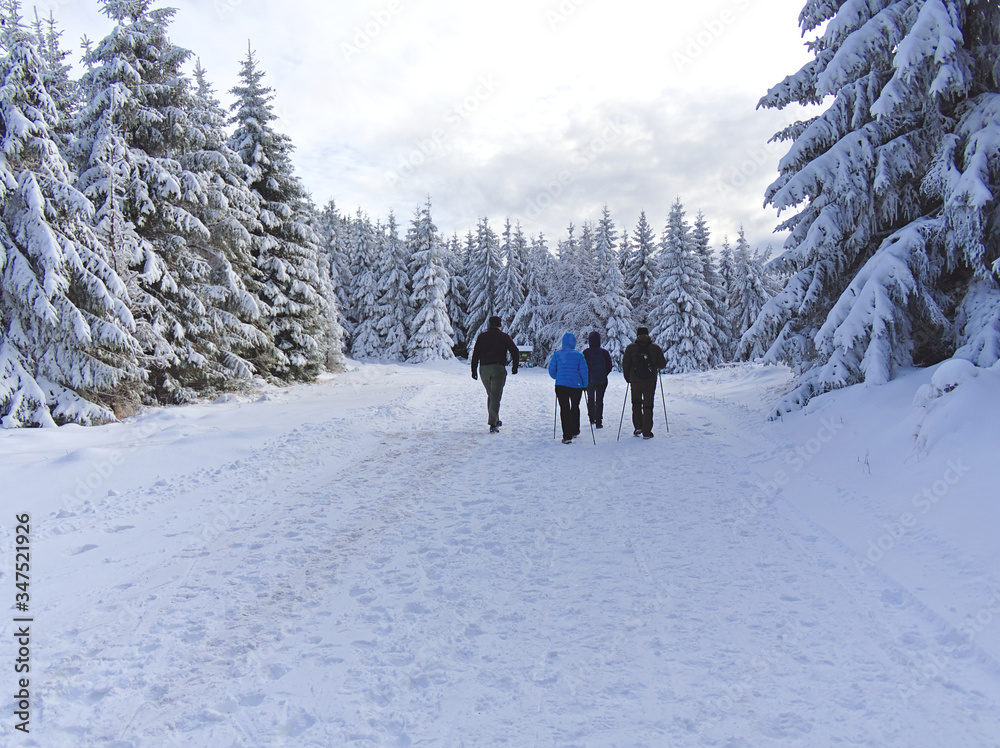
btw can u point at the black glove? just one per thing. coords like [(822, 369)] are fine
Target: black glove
[(475, 376), (514, 369)]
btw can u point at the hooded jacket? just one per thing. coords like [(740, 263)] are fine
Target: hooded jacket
[(568, 366), (643, 344), (599, 362)]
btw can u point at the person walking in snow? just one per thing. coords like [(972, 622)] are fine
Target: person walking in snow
[(569, 368), (489, 361), (640, 364), (599, 365)]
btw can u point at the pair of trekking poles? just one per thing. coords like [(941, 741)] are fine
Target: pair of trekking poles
[(628, 385)]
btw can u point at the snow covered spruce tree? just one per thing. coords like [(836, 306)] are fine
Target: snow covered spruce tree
[(483, 277), (533, 319), (365, 245), (896, 187), (611, 306), (458, 292), (682, 320), (750, 287), (511, 291), (392, 305), (333, 230), (231, 213), (640, 269), (431, 336), (67, 350), (63, 89), (701, 242), (132, 132), (573, 289), (297, 295)]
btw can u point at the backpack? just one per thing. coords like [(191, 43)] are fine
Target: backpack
[(642, 364)]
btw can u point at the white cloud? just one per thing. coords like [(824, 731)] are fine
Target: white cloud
[(490, 107)]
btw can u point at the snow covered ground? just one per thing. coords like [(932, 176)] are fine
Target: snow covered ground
[(359, 563)]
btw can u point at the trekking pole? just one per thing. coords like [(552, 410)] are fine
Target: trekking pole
[(663, 399), (555, 412), (627, 385), (592, 433)]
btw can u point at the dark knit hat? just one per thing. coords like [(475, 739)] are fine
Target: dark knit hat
[(495, 322), (642, 331)]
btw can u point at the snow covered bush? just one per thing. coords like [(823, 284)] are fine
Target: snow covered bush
[(895, 184)]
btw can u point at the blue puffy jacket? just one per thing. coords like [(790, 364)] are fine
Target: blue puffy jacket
[(568, 366)]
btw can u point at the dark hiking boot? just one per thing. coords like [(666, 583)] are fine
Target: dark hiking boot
[(567, 441), (499, 424), (637, 432), (494, 429), (599, 425), (648, 436)]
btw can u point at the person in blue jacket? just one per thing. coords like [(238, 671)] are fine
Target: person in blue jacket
[(600, 365), (569, 368)]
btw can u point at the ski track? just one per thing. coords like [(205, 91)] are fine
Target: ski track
[(399, 577)]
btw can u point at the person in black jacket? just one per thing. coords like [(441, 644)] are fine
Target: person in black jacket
[(489, 361), (642, 360), (599, 365)]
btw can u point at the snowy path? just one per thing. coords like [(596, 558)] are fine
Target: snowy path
[(369, 567)]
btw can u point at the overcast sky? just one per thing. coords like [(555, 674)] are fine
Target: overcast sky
[(534, 110)]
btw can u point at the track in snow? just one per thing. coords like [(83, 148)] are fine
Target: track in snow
[(391, 575)]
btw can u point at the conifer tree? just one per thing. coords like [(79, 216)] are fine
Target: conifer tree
[(716, 302), (683, 324), (458, 291), (510, 294), (575, 285), (66, 332), (640, 269), (611, 305), (431, 335), (334, 232), (895, 185), (392, 308), (230, 211), (483, 277), (366, 243), (287, 252), (63, 89), (131, 134), (750, 289), (534, 317)]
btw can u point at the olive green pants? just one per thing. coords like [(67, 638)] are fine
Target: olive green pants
[(493, 377)]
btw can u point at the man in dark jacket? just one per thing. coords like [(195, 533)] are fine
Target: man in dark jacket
[(640, 364), (489, 360), (599, 365)]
